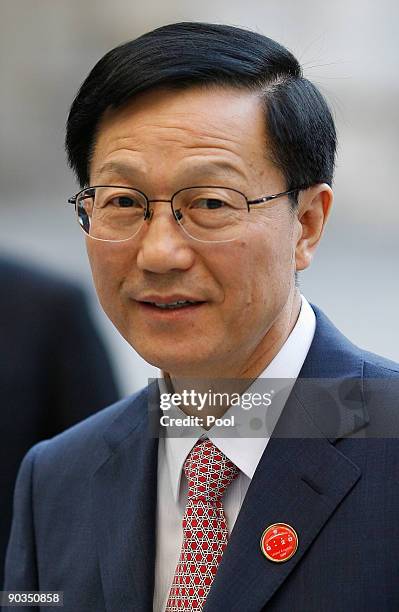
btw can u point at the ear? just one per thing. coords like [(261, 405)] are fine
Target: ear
[(312, 213)]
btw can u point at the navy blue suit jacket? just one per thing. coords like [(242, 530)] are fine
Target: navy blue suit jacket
[(84, 520)]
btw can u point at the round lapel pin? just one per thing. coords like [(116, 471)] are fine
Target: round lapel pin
[(279, 542)]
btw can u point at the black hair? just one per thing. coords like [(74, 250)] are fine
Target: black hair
[(299, 124)]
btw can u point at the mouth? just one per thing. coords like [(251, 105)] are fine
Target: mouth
[(174, 305)]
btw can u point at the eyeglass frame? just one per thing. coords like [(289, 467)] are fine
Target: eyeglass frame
[(149, 212)]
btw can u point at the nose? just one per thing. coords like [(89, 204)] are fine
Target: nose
[(163, 245)]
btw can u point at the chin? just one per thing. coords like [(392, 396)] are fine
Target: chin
[(177, 363)]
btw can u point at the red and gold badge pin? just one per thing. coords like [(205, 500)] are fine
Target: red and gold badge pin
[(279, 542)]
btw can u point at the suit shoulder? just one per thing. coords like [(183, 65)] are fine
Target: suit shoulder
[(376, 366)]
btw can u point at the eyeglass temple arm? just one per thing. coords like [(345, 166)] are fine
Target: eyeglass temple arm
[(272, 197)]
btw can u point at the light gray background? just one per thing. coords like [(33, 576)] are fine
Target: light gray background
[(349, 48)]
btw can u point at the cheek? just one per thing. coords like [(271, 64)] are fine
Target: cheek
[(235, 268), (265, 266), (245, 275), (108, 265)]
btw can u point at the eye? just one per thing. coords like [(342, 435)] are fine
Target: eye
[(209, 203), (125, 201)]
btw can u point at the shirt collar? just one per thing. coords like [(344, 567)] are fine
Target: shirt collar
[(245, 453)]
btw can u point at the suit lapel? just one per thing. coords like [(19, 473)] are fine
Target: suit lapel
[(124, 503), (301, 478)]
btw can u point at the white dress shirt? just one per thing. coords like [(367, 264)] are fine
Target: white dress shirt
[(244, 452)]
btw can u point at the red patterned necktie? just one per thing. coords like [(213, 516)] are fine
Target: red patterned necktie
[(205, 534)]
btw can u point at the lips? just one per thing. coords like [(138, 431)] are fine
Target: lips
[(172, 302), (171, 305)]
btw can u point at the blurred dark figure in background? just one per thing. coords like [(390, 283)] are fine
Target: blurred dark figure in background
[(54, 370)]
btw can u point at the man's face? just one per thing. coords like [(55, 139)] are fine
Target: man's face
[(167, 140)]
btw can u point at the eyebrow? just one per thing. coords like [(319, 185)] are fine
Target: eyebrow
[(127, 171)]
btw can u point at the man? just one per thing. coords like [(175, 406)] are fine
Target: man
[(54, 368), (206, 162)]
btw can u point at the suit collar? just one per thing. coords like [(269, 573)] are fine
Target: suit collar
[(330, 384), (331, 354)]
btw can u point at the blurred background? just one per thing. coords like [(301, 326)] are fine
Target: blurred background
[(349, 48)]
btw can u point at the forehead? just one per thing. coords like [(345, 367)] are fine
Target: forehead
[(186, 128)]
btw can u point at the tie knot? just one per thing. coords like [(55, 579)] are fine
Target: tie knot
[(208, 471)]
